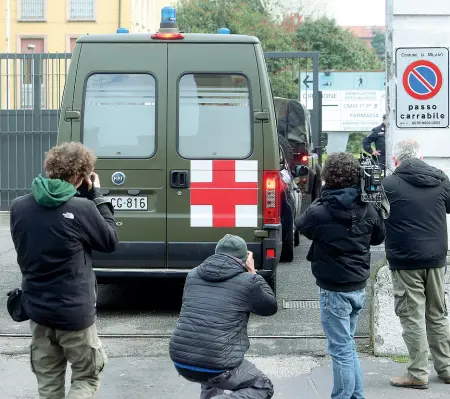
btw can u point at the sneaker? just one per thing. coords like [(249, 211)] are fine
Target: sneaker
[(408, 382), (445, 379)]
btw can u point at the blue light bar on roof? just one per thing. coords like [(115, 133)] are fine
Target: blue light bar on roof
[(123, 30), (168, 14), (223, 31)]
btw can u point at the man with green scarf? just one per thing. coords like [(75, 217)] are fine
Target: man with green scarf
[(55, 228)]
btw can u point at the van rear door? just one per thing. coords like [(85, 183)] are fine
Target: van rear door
[(121, 93), (214, 149)]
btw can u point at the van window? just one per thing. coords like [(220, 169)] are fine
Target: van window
[(214, 116), (119, 115)]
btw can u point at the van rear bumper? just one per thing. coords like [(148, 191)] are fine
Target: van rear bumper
[(148, 259)]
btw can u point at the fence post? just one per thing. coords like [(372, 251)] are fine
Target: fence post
[(37, 92), (316, 101)]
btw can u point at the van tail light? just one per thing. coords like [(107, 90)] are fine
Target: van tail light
[(270, 253), (272, 194), (301, 158)]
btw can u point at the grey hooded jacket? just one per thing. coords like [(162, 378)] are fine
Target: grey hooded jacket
[(219, 295)]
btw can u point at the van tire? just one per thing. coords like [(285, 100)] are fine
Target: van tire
[(272, 281), (287, 251), (317, 183), (296, 238)]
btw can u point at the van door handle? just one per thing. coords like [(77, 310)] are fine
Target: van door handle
[(179, 179)]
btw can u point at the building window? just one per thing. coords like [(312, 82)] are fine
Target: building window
[(32, 10), (26, 69), (73, 41), (81, 10)]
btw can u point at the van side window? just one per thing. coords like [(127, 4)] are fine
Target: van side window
[(119, 115), (215, 118)]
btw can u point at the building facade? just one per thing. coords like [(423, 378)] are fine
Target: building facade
[(36, 34), (53, 26)]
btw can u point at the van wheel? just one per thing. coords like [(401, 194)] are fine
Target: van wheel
[(315, 191), (287, 251), (296, 238), (273, 282)]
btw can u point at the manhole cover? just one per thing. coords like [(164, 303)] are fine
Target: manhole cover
[(308, 304)]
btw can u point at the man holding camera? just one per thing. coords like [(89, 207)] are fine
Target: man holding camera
[(210, 339), (55, 228), (377, 136), (342, 229), (416, 249)]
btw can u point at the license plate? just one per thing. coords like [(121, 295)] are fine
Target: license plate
[(128, 203)]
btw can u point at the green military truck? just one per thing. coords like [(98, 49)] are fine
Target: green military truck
[(295, 135), (184, 130)]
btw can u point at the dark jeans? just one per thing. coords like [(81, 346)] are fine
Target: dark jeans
[(339, 313), (245, 382)]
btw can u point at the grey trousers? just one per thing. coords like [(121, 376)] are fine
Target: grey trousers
[(244, 382)]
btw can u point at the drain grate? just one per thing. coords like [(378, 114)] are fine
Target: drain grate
[(308, 304)]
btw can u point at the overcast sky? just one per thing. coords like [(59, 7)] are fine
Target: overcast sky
[(348, 12)]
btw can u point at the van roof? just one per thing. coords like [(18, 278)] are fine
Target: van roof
[(146, 37)]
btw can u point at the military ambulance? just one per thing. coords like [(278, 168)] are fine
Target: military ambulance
[(185, 132)]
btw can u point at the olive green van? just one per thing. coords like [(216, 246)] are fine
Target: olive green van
[(184, 129)]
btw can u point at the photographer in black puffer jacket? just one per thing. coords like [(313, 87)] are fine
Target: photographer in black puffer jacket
[(342, 229), (210, 339)]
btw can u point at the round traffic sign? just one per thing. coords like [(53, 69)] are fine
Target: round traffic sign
[(422, 80)]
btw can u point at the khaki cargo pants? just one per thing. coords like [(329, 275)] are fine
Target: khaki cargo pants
[(51, 349), (419, 299)]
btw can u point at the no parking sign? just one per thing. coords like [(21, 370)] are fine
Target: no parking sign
[(422, 99)]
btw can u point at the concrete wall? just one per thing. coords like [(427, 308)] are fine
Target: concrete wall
[(386, 329), (410, 24)]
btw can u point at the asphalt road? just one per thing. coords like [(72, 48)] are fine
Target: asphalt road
[(152, 308), (293, 377), (139, 365)]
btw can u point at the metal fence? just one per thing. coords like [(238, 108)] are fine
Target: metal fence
[(31, 91)]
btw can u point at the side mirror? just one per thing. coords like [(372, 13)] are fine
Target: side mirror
[(301, 170), (323, 139)]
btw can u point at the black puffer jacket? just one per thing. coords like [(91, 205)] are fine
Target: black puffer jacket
[(416, 230), (342, 229), (219, 296)]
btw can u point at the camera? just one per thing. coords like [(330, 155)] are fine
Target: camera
[(84, 189), (370, 180)]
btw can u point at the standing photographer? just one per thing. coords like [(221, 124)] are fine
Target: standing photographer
[(416, 249), (54, 230), (342, 229), (377, 136)]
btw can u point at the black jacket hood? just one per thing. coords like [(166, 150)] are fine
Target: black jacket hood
[(220, 267), (419, 173), (344, 203)]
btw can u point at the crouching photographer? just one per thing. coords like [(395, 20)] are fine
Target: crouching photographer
[(55, 228), (342, 228)]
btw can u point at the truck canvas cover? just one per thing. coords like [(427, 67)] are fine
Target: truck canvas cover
[(292, 120)]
